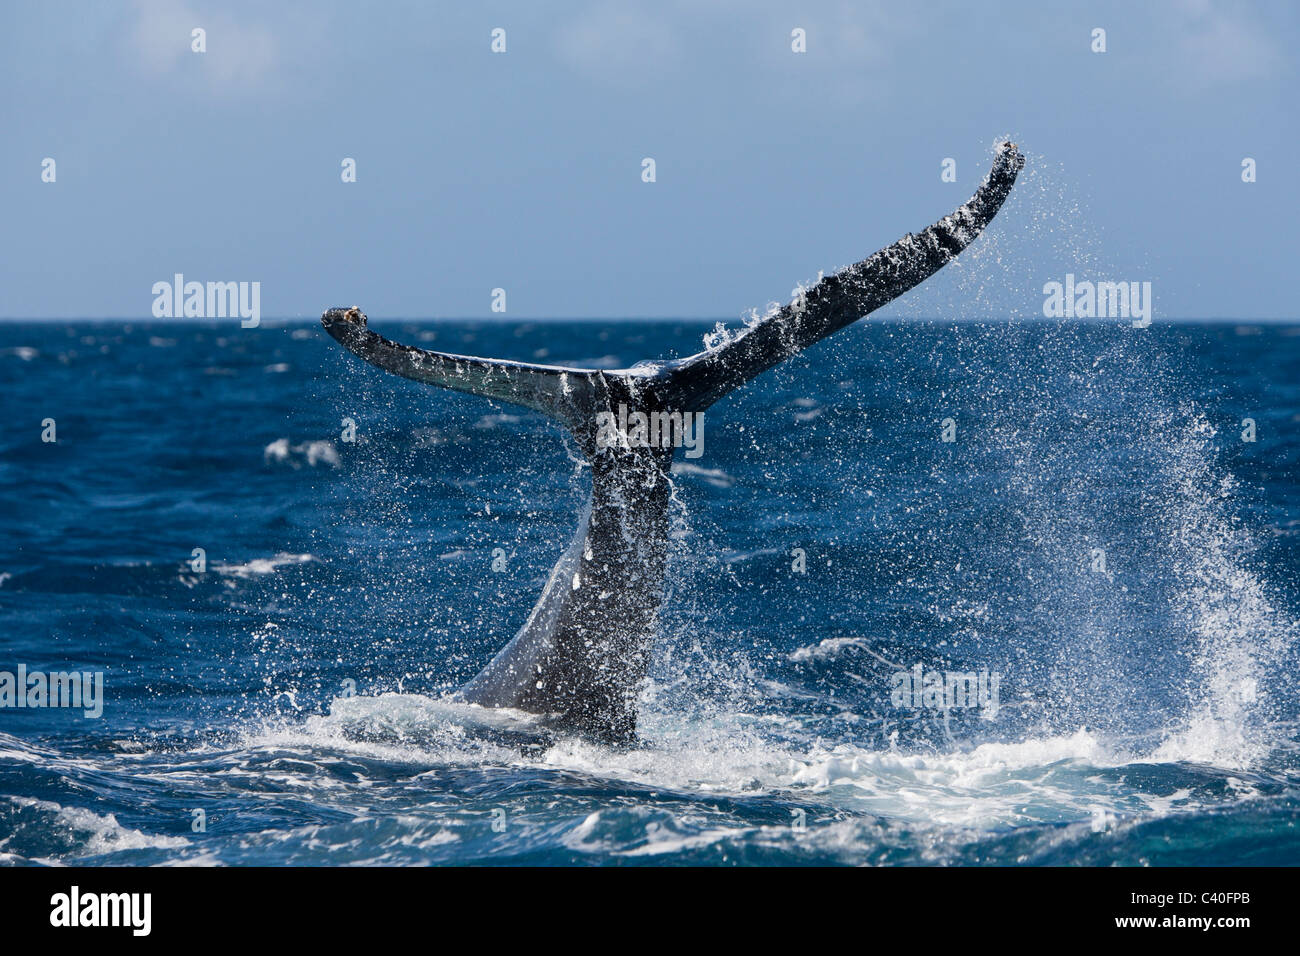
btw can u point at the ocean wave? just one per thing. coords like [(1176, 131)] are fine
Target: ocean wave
[(45, 832)]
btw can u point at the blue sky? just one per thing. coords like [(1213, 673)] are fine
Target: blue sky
[(522, 170)]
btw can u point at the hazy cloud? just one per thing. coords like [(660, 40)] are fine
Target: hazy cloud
[(240, 57)]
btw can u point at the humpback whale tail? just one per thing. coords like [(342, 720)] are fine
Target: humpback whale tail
[(582, 653)]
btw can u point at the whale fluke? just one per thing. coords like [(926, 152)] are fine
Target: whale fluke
[(543, 388), (843, 298), (581, 656)]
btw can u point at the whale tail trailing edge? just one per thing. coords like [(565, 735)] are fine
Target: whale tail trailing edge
[(582, 654)]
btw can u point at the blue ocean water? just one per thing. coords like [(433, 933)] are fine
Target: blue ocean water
[(1097, 535)]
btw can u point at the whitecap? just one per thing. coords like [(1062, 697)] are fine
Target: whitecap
[(259, 566), (311, 453), (828, 649), (714, 476)]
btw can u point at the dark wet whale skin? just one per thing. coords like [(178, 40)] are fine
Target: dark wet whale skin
[(582, 655)]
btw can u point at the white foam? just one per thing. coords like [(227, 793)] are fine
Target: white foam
[(828, 649), (260, 566), (310, 453), (406, 728), (101, 834), (714, 476), (660, 838)]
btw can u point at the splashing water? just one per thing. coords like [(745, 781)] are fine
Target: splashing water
[(1096, 534)]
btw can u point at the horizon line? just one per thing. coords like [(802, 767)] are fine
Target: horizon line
[(299, 319)]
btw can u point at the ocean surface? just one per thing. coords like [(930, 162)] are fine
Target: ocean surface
[(1098, 546)]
